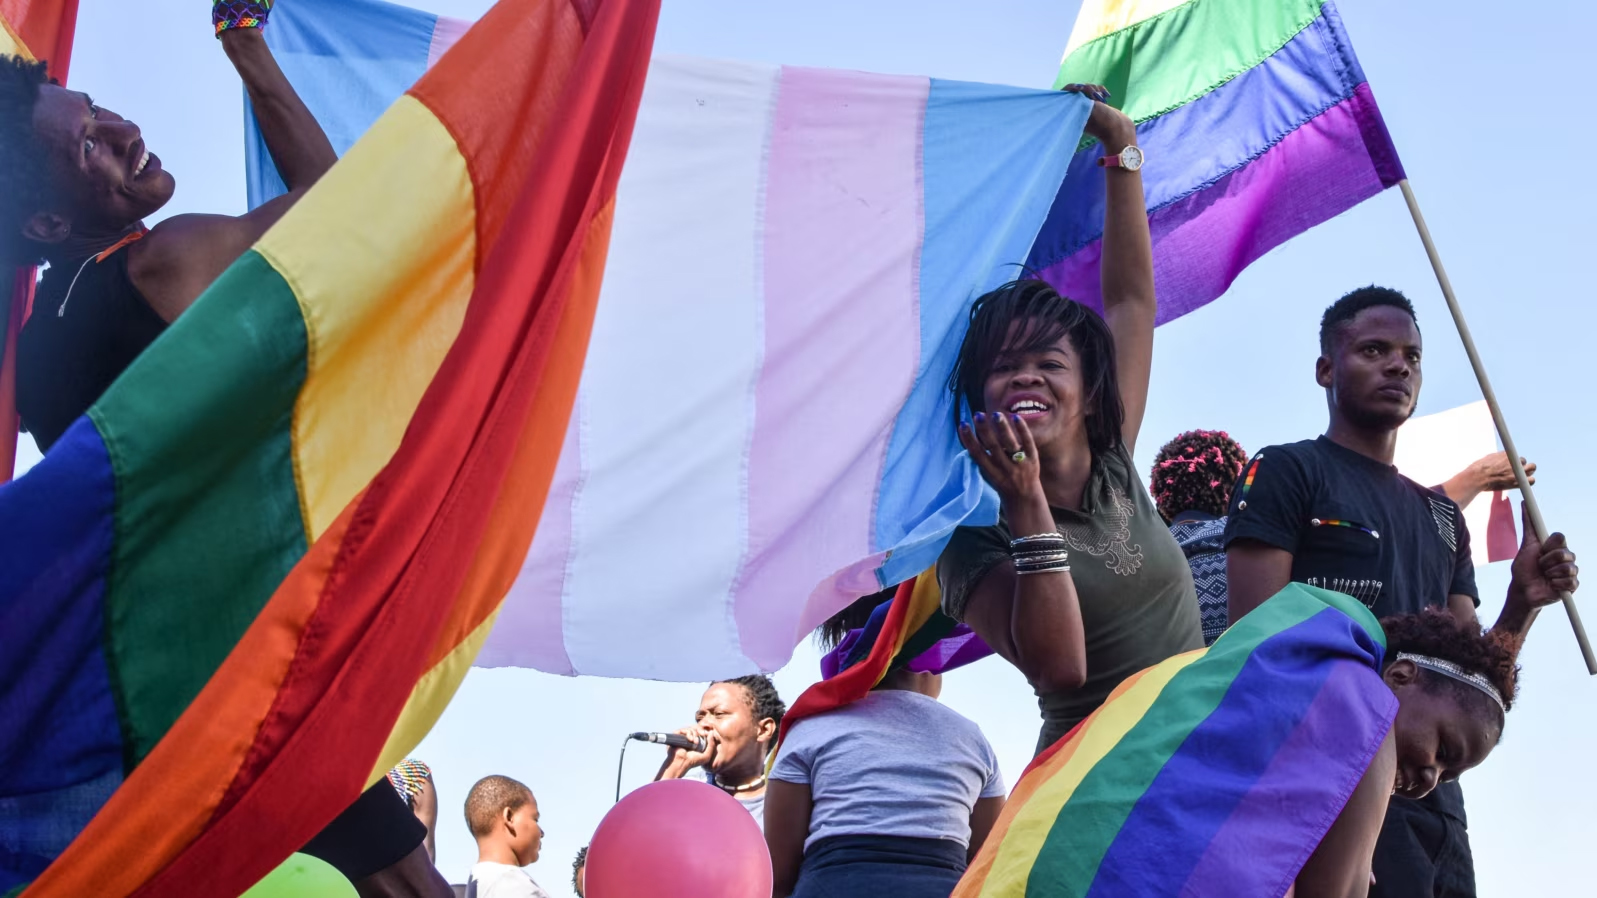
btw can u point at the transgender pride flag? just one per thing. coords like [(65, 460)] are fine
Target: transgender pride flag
[(763, 430)]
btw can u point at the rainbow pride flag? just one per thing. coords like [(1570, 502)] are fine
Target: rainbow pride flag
[(1257, 123), (763, 423), (1215, 773), (242, 587)]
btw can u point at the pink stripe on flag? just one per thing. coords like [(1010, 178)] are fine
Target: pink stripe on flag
[(530, 631), (445, 32), (1204, 240), (843, 226)]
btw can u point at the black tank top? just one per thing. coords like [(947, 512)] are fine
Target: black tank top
[(67, 357)]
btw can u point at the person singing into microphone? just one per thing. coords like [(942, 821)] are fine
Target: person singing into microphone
[(737, 719)]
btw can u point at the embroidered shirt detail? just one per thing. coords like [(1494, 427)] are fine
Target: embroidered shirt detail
[(1110, 537)]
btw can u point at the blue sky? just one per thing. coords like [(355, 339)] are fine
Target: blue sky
[(1494, 153)]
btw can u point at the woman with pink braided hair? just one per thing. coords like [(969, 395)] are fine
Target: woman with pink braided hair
[(1191, 484)]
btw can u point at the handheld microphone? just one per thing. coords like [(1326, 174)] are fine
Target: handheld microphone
[(673, 740)]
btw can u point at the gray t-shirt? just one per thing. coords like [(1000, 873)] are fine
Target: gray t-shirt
[(894, 763), (755, 806)]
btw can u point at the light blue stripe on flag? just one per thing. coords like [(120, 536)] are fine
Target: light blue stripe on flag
[(985, 147), (349, 60)]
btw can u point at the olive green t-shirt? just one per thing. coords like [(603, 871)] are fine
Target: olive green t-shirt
[(1138, 605)]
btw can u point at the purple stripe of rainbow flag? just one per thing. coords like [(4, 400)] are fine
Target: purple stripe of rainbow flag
[(1257, 124)]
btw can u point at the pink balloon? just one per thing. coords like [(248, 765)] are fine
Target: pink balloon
[(678, 839)]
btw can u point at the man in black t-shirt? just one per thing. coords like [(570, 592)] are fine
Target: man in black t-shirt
[(1333, 512)]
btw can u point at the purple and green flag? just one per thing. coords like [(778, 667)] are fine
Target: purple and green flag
[(1257, 124)]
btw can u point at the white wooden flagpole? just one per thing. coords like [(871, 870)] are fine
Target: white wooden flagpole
[(1534, 512)]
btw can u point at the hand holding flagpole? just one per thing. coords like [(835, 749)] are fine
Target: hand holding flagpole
[(1533, 511)]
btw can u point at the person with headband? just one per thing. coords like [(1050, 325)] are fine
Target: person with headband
[(1261, 765), (1080, 584), (1334, 512)]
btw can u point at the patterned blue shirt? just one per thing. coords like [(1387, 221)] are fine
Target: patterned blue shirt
[(1203, 542)]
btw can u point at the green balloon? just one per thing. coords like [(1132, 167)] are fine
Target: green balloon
[(303, 876)]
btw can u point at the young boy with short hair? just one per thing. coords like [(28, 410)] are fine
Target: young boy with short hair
[(503, 817)]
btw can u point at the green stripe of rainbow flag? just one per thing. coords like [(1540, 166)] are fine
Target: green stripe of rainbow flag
[(340, 500)]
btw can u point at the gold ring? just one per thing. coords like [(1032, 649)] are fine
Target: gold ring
[(1018, 456)]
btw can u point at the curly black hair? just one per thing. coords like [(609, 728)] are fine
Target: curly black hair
[(576, 868), (1047, 316), (24, 165), (1435, 632), (1347, 308), (1195, 472), (833, 629), (763, 697)]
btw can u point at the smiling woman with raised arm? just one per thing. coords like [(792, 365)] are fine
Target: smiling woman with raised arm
[(1079, 584)]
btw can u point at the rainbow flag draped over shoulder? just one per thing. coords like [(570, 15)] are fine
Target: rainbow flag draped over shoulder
[(1257, 124), (248, 581), (764, 423), (1215, 773)]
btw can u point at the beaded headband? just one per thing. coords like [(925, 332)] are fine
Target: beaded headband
[(1449, 669)]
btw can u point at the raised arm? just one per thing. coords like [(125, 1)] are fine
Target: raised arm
[(1129, 306), (296, 141), (426, 808), (1541, 572), (1488, 473), (184, 254)]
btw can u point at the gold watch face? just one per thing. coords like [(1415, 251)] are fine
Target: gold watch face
[(1131, 158)]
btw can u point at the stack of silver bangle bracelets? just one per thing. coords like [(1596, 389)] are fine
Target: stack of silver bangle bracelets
[(1044, 553)]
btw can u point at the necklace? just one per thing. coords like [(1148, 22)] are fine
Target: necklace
[(97, 258), (735, 790)]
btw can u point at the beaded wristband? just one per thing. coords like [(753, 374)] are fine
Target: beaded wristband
[(229, 15)]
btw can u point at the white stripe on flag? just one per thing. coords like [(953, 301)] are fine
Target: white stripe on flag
[(665, 409)]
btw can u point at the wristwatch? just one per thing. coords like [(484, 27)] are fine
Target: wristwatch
[(1129, 159)]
